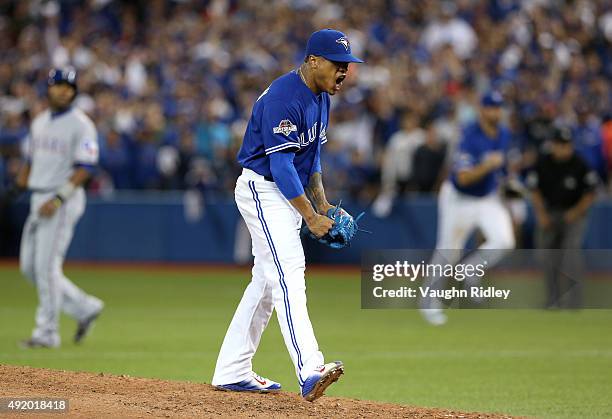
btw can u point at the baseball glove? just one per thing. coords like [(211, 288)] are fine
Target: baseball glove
[(343, 231)]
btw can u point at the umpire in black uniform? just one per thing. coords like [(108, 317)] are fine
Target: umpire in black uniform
[(563, 188)]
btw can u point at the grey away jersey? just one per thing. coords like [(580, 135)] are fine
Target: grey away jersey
[(56, 143)]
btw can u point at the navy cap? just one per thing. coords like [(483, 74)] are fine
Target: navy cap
[(62, 75), (492, 99), (332, 45)]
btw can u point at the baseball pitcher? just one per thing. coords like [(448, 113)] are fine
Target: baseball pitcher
[(61, 151), (279, 187)]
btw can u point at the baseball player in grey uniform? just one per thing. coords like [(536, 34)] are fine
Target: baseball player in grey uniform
[(61, 151)]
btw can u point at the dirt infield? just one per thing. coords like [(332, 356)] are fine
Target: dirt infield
[(104, 395)]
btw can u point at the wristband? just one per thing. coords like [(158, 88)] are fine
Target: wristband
[(58, 201), (65, 192)]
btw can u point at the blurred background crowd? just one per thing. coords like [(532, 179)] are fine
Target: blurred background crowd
[(170, 84)]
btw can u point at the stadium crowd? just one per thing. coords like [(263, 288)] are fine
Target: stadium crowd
[(170, 84)]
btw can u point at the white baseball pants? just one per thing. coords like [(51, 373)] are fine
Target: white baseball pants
[(458, 217), (460, 214), (277, 283), (43, 248)]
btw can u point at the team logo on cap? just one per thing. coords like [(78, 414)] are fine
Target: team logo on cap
[(285, 127), (344, 42)]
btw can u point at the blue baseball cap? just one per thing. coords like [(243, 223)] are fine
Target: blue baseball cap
[(332, 45), (492, 99)]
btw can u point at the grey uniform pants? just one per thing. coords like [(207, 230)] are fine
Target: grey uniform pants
[(43, 247), (561, 258)]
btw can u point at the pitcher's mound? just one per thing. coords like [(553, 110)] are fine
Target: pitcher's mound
[(105, 395)]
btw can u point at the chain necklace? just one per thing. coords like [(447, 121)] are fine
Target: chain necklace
[(299, 71)]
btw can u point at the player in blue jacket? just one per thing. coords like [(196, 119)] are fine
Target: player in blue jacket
[(279, 187), (470, 200)]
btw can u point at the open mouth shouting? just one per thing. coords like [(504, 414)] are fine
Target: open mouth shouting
[(338, 84)]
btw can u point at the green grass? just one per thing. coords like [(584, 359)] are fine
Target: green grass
[(170, 324)]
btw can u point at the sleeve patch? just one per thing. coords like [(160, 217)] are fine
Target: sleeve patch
[(285, 127), (89, 147)]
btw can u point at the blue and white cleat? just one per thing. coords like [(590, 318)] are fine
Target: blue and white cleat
[(254, 384), (324, 376)]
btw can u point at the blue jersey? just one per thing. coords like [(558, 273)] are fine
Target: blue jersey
[(473, 148), (287, 116)]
